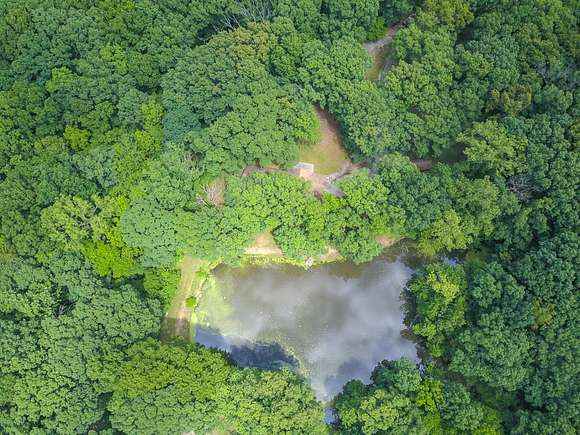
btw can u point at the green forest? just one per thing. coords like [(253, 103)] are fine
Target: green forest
[(118, 119)]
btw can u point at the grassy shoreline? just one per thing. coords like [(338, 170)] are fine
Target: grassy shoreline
[(180, 319)]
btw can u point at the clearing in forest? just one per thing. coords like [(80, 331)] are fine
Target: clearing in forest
[(177, 319), (328, 155), (264, 245)]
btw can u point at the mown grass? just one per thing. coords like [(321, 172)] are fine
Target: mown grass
[(329, 154)]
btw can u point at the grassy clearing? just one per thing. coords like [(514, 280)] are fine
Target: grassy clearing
[(177, 319), (329, 154)]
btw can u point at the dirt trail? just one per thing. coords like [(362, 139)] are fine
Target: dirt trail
[(379, 52), (373, 47), (177, 319)]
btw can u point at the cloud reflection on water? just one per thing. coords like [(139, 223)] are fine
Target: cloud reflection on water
[(339, 320)]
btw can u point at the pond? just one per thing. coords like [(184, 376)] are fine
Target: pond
[(332, 323)]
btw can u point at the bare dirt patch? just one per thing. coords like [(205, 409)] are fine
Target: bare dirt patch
[(264, 245), (387, 241)]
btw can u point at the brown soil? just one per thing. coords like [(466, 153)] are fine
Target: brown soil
[(386, 241), (264, 245)]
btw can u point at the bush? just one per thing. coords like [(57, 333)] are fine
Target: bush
[(378, 30), (191, 302)]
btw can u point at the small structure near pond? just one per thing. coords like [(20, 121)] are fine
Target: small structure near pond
[(303, 170)]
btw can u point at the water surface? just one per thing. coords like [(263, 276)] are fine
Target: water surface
[(332, 323)]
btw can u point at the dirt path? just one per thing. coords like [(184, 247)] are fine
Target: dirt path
[(177, 319), (373, 47), (380, 53)]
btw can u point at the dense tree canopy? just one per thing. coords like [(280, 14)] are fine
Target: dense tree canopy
[(118, 119)]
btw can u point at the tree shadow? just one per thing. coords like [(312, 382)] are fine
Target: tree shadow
[(246, 353), (174, 327)]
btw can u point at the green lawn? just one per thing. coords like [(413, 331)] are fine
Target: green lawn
[(328, 155)]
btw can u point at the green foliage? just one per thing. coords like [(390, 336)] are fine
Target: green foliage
[(444, 234), (401, 400), (317, 68), (33, 185), (147, 226), (113, 115), (180, 384), (234, 112), (440, 299), (277, 202), (215, 234), (379, 412), (304, 14), (378, 30), (348, 17), (496, 355), (161, 283), (25, 289), (107, 250), (66, 222), (490, 147), (170, 180), (395, 10), (62, 331), (265, 402), (190, 387), (443, 208), (191, 302), (384, 406), (265, 128), (454, 14), (354, 220)]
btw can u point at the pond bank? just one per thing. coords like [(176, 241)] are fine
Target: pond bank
[(176, 322), (331, 323), (179, 320)]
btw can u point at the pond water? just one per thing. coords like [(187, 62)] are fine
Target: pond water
[(332, 323)]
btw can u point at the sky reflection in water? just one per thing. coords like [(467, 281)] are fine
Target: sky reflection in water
[(337, 320)]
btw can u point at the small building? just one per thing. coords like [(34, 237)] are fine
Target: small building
[(303, 170)]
